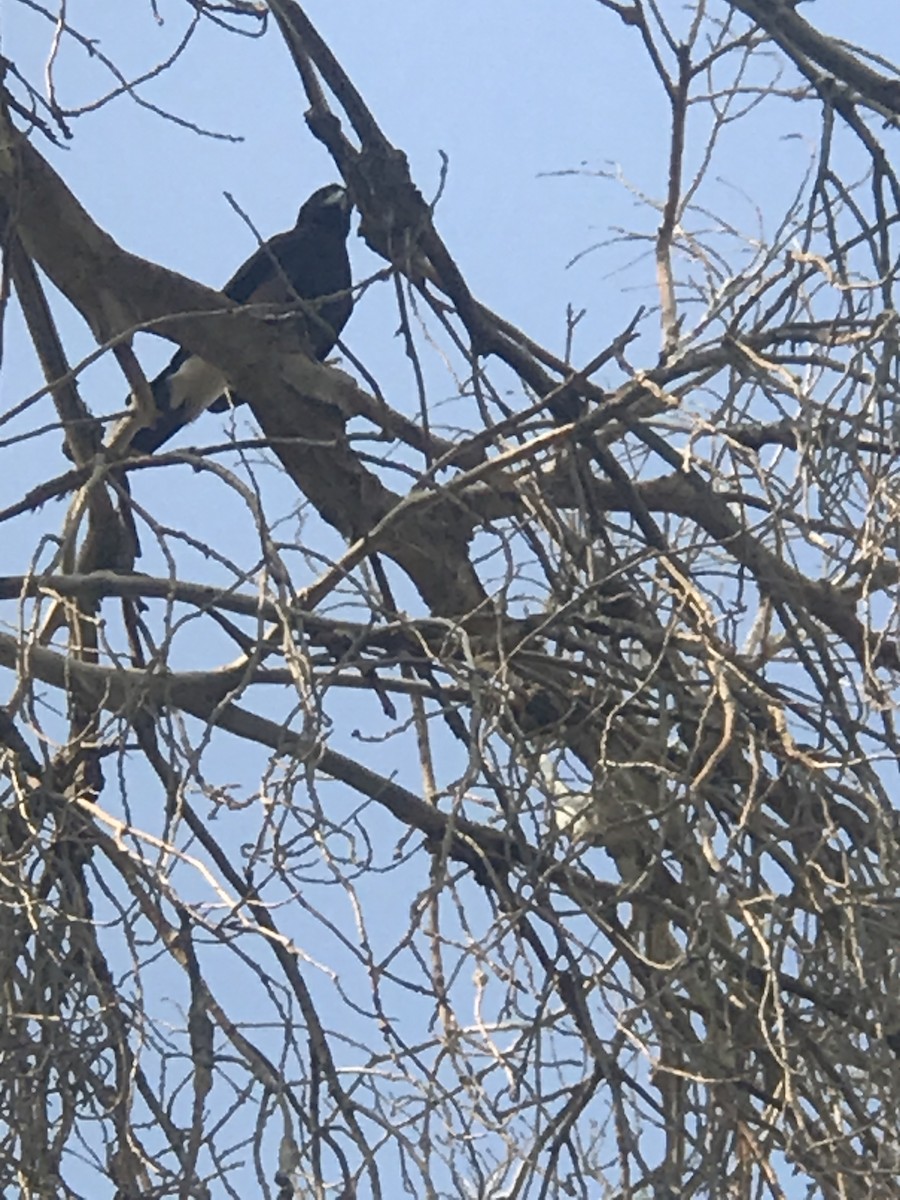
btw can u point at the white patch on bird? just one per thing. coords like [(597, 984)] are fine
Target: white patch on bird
[(195, 386), (337, 195)]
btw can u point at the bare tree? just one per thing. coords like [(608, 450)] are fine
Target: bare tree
[(634, 932)]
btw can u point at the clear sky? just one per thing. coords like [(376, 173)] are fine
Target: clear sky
[(510, 93), (553, 126)]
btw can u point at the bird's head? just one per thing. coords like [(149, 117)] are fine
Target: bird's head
[(329, 208)]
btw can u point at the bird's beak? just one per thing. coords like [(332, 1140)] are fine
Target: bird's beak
[(341, 197)]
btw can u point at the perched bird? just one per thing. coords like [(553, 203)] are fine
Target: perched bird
[(308, 263)]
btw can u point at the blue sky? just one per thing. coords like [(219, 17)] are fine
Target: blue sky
[(511, 96), (539, 108)]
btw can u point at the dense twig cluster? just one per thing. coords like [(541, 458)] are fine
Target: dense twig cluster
[(605, 904)]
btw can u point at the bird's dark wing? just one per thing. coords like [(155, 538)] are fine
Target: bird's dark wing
[(308, 263), (307, 266)]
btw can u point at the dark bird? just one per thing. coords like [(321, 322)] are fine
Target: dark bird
[(308, 263)]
